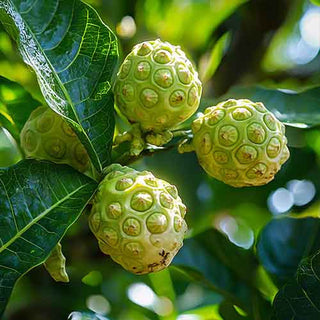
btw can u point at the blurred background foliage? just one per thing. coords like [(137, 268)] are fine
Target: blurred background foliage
[(238, 251)]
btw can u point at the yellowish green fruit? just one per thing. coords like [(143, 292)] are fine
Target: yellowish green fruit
[(47, 136), (157, 86), (138, 219), (240, 143)]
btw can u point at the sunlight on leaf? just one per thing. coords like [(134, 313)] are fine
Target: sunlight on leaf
[(74, 55), (159, 19), (209, 64), (9, 150)]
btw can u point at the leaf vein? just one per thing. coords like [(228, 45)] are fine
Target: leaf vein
[(39, 217)]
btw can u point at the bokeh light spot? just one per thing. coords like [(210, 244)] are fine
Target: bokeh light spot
[(163, 307), (237, 231), (300, 52), (280, 201), (127, 27), (142, 295), (310, 27), (98, 304), (204, 192), (303, 191), (189, 317)]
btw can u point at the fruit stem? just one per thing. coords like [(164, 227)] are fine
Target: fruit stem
[(186, 146), (182, 133), (123, 137)]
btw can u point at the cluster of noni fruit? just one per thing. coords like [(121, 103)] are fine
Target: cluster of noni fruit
[(137, 218)]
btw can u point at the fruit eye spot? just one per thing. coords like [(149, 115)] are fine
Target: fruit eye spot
[(131, 227), (149, 98), (274, 147), (228, 135), (141, 201), (124, 184), (157, 223), (55, 147), (163, 78), (246, 154)]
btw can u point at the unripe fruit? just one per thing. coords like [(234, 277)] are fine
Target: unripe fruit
[(157, 86), (47, 136), (138, 219), (240, 143)]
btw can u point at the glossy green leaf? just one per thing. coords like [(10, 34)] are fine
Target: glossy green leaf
[(16, 104), (74, 55), (56, 265), (217, 245), (9, 150), (298, 109), (299, 299), (38, 202), (284, 242), (211, 260)]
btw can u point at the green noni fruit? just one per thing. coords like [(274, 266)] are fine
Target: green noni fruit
[(157, 86), (138, 219), (47, 136), (240, 143)]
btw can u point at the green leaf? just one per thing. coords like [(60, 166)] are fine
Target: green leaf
[(38, 202), (163, 287), (211, 260), (175, 21), (73, 54), (298, 109), (162, 284), (9, 150), (299, 299), (56, 265), (284, 242), (316, 2), (215, 58), (16, 104), (204, 313)]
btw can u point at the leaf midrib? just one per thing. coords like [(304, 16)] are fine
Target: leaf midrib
[(38, 218), (65, 92)]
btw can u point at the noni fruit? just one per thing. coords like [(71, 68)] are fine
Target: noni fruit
[(157, 86), (47, 136), (240, 143), (138, 219)]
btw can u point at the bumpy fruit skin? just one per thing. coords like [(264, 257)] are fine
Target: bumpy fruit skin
[(240, 143), (138, 219), (46, 136), (157, 86)]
